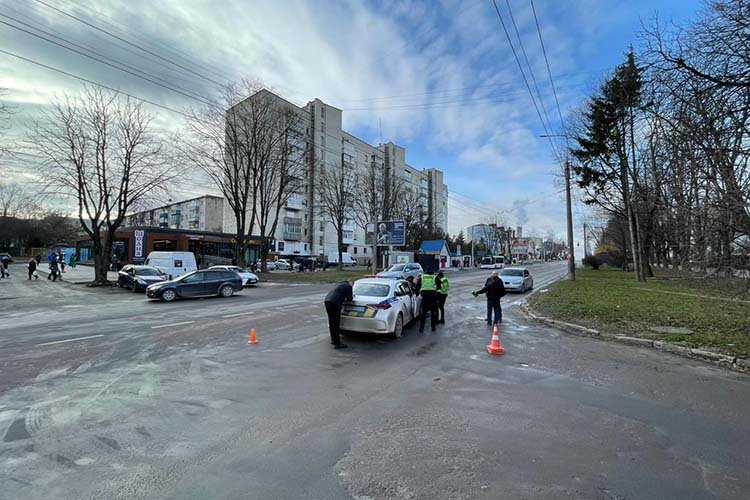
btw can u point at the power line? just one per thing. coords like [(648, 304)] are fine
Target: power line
[(523, 75), (546, 61), (115, 66), (124, 29), (91, 25), (528, 64)]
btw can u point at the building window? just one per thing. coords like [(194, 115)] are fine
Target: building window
[(355, 250), (305, 247), (364, 250), (321, 241), (280, 246)]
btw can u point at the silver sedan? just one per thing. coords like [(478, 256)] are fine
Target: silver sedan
[(381, 306), (517, 279)]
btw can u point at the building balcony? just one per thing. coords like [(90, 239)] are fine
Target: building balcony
[(295, 202), (347, 241), (292, 236)]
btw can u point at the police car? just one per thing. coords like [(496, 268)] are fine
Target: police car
[(381, 306)]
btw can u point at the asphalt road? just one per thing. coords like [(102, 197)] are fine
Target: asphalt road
[(104, 394)]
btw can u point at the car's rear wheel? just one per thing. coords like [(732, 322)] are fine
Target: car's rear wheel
[(168, 295), (226, 291), (398, 329)]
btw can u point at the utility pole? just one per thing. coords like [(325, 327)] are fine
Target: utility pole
[(585, 242), (571, 251)]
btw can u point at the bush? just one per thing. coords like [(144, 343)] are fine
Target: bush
[(592, 261)]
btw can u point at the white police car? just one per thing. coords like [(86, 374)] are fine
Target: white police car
[(381, 306)]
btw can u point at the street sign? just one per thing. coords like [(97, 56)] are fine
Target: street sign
[(139, 235)]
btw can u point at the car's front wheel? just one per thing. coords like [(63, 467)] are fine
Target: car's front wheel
[(398, 329), (226, 291), (168, 295)]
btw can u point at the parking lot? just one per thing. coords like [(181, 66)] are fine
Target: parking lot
[(105, 394)]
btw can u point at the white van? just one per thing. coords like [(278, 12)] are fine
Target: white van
[(346, 258), (173, 264)]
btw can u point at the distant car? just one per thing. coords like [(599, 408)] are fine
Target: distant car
[(137, 278), (282, 265), (197, 284), (248, 278), (402, 271), (381, 306), (6, 256), (271, 265), (517, 279)]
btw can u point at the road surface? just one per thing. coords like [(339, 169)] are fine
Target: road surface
[(104, 394)]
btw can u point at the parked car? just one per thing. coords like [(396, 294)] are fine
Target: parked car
[(381, 306), (248, 278), (517, 279), (270, 264), (197, 284), (137, 278), (402, 271), (174, 264)]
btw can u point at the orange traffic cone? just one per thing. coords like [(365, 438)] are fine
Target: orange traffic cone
[(252, 340), (495, 347)]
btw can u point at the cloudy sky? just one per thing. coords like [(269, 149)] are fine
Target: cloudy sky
[(437, 77)]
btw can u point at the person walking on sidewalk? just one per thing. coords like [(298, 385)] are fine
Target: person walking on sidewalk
[(429, 289), (4, 261), (494, 289), (32, 268), (442, 296), (335, 299), (73, 261), (61, 261)]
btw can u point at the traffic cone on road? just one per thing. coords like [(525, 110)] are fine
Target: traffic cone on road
[(495, 347), (252, 340)]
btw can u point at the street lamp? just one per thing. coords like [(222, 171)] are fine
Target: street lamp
[(571, 254)]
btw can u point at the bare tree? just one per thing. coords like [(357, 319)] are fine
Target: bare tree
[(99, 149), (336, 194), (251, 144), (14, 199)]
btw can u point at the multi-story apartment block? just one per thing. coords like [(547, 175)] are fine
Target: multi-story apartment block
[(205, 213), (303, 229)]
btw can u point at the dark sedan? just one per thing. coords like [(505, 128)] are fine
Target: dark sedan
[(137, 278), (197, 284)]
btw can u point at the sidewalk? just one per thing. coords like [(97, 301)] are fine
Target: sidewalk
[(81, 275)]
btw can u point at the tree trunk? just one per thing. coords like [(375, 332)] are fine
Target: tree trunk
[(340, 238)]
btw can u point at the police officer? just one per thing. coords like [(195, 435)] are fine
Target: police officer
[(429, 290), (442, 295)]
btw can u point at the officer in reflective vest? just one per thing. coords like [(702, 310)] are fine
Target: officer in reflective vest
[(442, 295), (429, 301)]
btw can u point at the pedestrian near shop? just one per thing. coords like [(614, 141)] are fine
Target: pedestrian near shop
[(38, 258), (335, 299), (442, 296), (494, 289), (73, 261), (428, 291), (61, 261), (32, 268), (4, 261)]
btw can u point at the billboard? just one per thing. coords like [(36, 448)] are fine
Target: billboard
[(390, 233), (520, 246)]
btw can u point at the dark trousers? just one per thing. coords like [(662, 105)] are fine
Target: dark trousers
[(441, 298), (429, 306), (4, 270), (334, 321), (31, 271), (494, 305)]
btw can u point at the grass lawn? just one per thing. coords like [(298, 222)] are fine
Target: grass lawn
[(329, 276), (716, 310)]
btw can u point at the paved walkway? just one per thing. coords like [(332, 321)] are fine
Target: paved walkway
[(80, 275)]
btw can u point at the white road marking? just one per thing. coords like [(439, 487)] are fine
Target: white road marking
[(172, 324), (238, 314), (307, 341), (71, 340)]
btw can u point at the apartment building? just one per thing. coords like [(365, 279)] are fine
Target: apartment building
[(204, 213), (303, 230)]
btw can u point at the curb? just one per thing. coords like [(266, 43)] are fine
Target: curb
[(731, 362)]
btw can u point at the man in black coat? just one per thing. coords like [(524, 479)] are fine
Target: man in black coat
[(494, 289), (341, 293)]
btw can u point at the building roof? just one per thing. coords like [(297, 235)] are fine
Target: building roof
[(432, 246)]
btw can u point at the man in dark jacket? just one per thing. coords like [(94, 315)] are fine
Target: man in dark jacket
[(32, 268), (341, 293), (494, 289)]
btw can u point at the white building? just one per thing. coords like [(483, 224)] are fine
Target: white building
[(303, 230), (204, 213)]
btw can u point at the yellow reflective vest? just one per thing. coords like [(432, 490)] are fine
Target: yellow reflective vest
[(443, 286), (428, 283)]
